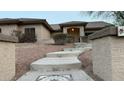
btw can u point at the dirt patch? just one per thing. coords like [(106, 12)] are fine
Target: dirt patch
[(87, 66)]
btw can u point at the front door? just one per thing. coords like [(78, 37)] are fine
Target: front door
[(75, 33)]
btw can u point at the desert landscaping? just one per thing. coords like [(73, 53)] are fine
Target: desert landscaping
[(34, 50)]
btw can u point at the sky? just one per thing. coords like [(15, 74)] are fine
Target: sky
[(53, 17)]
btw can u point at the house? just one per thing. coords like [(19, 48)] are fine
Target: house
[(39, 30), (33, 29), (79, 30)]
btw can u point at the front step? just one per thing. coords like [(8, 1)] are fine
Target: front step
[(56, 64), (72, 75), (73, 49), (64, 54), (77, 49), (82, 45)]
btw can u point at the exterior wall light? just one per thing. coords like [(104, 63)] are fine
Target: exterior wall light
[(72, 29)]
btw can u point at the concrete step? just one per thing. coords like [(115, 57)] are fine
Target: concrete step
[(73, 49), (77, 49), (71, 75), (64, 54), (82, 45), (56, 64)]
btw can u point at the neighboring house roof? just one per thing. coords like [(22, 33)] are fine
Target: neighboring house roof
[(97, 25), (73, 23), (24, 21)]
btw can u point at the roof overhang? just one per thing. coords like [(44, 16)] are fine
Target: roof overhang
[(108, 31), (25, 21), (68, 24)]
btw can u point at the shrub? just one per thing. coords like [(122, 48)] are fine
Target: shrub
[(70, 39), (60, 38)]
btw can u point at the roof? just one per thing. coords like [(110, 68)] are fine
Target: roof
[(8, 21), (23, 21), (88, 25), (108, 31), (73, 23), (97, 24), (56, 27)]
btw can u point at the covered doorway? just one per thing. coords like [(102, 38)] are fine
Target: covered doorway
[(74, 33)]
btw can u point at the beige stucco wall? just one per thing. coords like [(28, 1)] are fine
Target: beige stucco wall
[(117, 49), (8, 29), (101, 57), (108, 57), (41, 32), (7, 60)]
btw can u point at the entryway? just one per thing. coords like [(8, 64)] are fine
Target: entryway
[(74, 33)]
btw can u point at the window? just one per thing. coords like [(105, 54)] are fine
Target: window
[(0, 30), (29, 29), (30, 35), (30, 32)]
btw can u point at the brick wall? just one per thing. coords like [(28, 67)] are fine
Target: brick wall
[(28, 53)]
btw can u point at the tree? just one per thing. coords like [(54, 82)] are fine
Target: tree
[(117, 16)]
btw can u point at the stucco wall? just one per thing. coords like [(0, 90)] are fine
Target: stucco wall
[(117, 49), (101, 56), (41, 32), (8, 29), (7, 60), (108, 57)]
